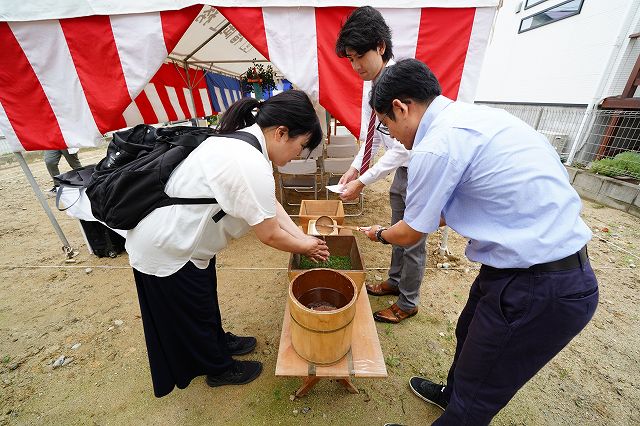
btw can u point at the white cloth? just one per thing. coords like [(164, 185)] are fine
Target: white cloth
[(497, 182), (233, 172), (396, 155)]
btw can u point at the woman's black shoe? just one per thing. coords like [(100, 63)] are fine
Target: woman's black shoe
[(237, 345), (240, 373)]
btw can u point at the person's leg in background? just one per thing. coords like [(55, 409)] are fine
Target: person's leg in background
[(72, 158), (51, 159), (407, 263), (414, 258)]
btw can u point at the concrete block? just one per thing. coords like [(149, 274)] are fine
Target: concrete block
[(611, 202), (585, 194), (620, 191), (634, 210), (572, 173), (587, 181)]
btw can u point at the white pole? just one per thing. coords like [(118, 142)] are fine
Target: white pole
[(66, 248), (443, 250)]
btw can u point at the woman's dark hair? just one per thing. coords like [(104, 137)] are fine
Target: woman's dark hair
[(408, 79), (364, 30), (291, 108)]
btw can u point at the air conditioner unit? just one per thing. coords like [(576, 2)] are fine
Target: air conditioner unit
[(556, 139)]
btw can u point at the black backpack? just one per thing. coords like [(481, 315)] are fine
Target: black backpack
[(129, 182)]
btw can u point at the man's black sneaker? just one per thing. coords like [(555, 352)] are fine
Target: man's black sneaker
[(241, 372), (428, 391), (237, 345)]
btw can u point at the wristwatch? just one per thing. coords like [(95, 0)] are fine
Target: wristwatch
[(379, 235)]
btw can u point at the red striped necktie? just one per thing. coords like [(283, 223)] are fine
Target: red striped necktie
[(368, 146)]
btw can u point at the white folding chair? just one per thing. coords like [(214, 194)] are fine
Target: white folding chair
[(316, 153), (341, 140), (342, 151), (299, 176), (334, 168)]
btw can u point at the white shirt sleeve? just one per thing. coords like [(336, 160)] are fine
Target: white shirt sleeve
[(431, 180), (247, 190), (395, 155)]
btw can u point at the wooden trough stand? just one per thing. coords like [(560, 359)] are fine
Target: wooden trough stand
[(364, 359)]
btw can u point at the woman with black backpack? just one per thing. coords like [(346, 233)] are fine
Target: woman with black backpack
[(172, 250)]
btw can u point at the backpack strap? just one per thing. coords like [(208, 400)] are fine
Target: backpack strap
[(244, 136), (196, 136), (193, 142)]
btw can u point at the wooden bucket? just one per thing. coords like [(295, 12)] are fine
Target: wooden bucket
[(339, 245), (322, 337)]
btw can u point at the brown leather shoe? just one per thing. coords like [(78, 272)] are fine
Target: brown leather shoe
[(382, 289), (393, 314)]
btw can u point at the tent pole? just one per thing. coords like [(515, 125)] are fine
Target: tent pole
[(66, 248), (186, 58), (193, 101), (186, 67)]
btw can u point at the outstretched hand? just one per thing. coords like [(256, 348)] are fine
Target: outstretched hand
[(352, 190), (316, 249), (371, 232), (348, 176)]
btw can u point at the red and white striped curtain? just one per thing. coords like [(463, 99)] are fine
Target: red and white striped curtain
[(65, 82), (301, 43), (167, 97)]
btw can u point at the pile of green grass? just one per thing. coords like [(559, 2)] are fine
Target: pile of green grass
[(625, 163), (333, 262)]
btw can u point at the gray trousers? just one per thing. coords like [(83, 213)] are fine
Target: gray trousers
[(52, 158), (407, 263)]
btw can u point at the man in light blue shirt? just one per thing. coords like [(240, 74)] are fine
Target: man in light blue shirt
[(495, 180)]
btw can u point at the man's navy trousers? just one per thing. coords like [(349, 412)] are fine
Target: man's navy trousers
[(514, 322)]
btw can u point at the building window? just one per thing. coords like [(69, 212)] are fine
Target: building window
[(531, 3), (552, 14)]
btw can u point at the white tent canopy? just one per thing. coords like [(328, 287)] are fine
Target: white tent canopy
[(34, 10), (78, 76), (211, 42)]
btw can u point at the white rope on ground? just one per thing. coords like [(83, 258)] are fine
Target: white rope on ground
[(231, 268), (609, 242), (618, 247)]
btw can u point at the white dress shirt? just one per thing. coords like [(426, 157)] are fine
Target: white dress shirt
[(396, 155), (497, 182), (233, 172)]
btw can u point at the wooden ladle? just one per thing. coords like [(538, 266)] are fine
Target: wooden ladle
[(325, 225)]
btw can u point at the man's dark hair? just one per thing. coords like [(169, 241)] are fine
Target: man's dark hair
[(364, 30), (409, 79)]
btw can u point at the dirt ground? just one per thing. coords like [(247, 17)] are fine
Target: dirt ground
[(48, 307)]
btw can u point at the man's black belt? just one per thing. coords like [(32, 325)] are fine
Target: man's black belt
[(573, 261)]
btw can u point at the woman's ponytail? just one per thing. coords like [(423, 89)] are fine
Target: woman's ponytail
[(238, 116), (291, 108)]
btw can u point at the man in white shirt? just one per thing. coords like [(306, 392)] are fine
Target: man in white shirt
[(495, 180), (365, 39)]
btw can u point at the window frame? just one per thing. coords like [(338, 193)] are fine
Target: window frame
[(520, 30), (528, 4)]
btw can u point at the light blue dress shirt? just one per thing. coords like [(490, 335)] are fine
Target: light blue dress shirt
[(497, 182)]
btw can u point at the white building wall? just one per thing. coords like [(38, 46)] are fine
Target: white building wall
[(627, 62), (562, 62)]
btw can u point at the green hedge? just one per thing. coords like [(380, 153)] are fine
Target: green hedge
[(625, 163)]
